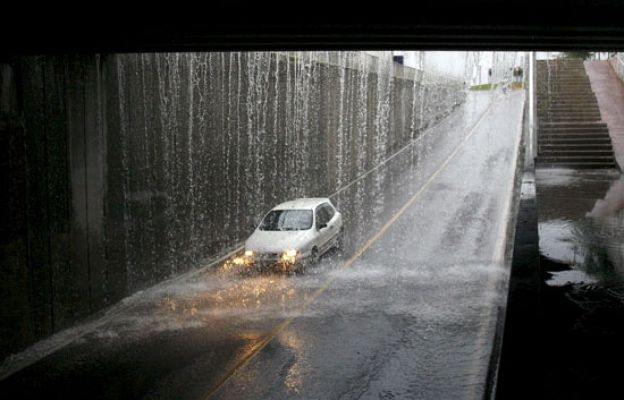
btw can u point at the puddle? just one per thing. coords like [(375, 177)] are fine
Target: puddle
[(573, 276), (559, 243), (581, 224)]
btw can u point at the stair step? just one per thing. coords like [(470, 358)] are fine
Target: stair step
[(561, 83), (576, 146), (569, 99), (557, 84), (574, 99), (563, 79), (569, 117), (545, 106), (577, 115), (562, 67), (560, 108), (569, 102), (576, 165), (567, 94), (571, 112), (578, 111), (586, 109), (555, 140), (580, 106), (574, 137), (575, 153), (550, 137), (578, 159), (569, 86), (568, 111), (576, 88), (589, 131), (581, 143), (568, 141), (583, 82), (573, 134), (574, 124), (564, 75)]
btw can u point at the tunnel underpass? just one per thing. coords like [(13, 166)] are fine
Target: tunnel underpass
[(114, 285), (425, 173)]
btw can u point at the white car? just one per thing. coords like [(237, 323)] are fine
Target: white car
[(295, 233)]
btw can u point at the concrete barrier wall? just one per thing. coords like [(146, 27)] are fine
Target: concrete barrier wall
[(617, 62), (127, 169)]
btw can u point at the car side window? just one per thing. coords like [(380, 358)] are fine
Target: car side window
[(317, 217), (321, 216), (329, 210)]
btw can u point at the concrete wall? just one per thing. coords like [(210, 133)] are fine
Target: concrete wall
[(124, 170), (617, 62), (52, 244)]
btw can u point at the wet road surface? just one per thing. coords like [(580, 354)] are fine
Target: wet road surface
[(409, 312)]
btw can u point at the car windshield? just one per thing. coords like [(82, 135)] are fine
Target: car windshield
[(287, 220)]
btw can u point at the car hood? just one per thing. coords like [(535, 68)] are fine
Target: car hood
[(277, 241)]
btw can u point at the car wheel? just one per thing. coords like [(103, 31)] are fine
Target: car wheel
[(340, 241), (314, 256), (300, 268)]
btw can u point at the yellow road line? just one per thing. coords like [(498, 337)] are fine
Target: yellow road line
[(277, 330)]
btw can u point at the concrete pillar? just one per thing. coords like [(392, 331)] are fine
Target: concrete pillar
[(533, 120)]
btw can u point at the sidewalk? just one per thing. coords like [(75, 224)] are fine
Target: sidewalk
[(609, 90)]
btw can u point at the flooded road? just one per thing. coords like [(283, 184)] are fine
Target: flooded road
[(408, 311)]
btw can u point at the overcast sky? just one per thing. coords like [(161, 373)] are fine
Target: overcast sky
[(471, 66)]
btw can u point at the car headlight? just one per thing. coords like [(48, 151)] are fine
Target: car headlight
[(248, 257), (289, 256)]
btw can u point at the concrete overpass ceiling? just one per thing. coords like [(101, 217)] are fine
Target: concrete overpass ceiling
[(448, 25)]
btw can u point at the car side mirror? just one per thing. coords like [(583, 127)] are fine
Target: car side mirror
[(322, 226), (255, 223)]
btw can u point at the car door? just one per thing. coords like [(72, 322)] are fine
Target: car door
[(332, 225), (322, 234)]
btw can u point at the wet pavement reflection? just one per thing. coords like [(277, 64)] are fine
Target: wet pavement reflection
[(581, 316), (581, 224)]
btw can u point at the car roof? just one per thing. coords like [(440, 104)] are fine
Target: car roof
[(302, 204)]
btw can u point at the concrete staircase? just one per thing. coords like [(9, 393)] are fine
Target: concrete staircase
[(571, 133)]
